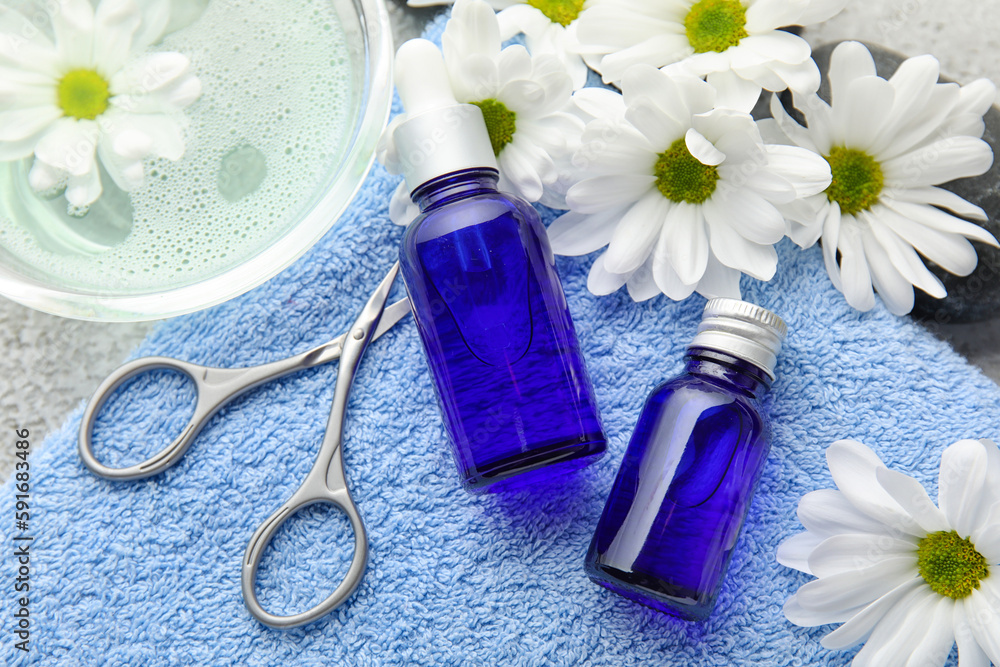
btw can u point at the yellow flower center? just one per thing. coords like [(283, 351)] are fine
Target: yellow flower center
[(500, 122), (715, 25), (680, 177), (857, 180), (562, 12), (950, 565), (83, 94)]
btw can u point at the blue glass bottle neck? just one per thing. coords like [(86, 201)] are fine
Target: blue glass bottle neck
[(729, 370), (457, 185)]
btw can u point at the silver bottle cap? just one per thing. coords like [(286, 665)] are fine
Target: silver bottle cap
[(743, 330)]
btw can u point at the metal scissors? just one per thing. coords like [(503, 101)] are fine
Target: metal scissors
[(326, 481)]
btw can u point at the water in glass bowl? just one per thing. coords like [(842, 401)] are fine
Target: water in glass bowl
[(275, 117)]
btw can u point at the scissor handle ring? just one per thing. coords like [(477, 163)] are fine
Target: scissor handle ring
[(262, 537), (166, 457)]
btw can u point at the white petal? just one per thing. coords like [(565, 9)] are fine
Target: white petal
[(935, 645), (599, 103), (913, 498), (158, 16), (803, 78), (115, 23), (937, 197), (659, 129), (851, 552), (155, 83), (778, 45), (895, 290), (600, 281), (831, 223), (811, 618), (637, 232), (69, 145), (860, 115), (19, 124), (908, 130), (805, 219), (860, 626), (702, 149), (984, 619), (854, 467), (472, 30), (734, 251), (719, 281), (765, 15), (161, 133), (402, 210), (940, 162), (73, 24), (519, 171), (666, 278), (855, 274), (896, 635), (24, 45), (992, 471), (126, 172), (906, 260), (960, 485), (817, 12), (986, 536), (734, 91), (941, 221), (849, 590), (684, 241), (808, 172), (970, 654), (748, 213), (518, 18), (913, 83), (657, 51), (576, 234), (597, 194), (84, 189), (795, 132), (794, 552), (44, 177), (949, 251), (850, 61), (514, 63), (641, 285)]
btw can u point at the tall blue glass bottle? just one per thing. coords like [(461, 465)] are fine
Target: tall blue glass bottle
[(682, 493), (489, 306)]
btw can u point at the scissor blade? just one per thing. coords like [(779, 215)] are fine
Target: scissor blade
[(391, 315)]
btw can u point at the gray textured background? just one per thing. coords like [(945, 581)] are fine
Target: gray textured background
[(49, 365)]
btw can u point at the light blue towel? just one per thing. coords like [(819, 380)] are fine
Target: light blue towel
[(148, 573)]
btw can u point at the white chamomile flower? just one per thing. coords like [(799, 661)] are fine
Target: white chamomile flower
[(92, 94), (737, 44), (907, 577), (524, 100), (889, 143), (549, 27), (683, 194)]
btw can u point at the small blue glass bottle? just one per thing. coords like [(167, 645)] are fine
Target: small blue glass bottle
[(488, 303), (681, 496)]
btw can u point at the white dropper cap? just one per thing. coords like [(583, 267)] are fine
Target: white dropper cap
[(438, 136)]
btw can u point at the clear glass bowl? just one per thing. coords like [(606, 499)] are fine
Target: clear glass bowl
[(369, 51)]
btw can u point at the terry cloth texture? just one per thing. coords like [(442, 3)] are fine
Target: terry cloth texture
[(148, 573)]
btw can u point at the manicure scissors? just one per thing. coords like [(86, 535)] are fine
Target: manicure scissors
[(326, 481)]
